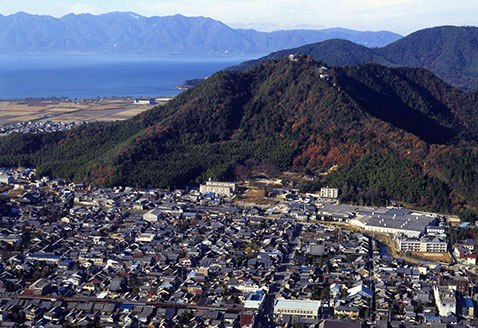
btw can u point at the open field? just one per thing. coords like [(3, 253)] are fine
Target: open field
[(61, 110)]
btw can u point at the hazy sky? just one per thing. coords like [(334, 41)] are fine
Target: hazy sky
[(402, 16)]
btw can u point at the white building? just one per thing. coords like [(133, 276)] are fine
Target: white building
[(426, 244), (145, 237), (329, 193), (153, 215), (395, 221), (6, 179), (219, 188), (300, 308), (445, 300), (144, 101)]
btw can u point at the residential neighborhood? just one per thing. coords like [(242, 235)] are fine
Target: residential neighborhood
[(80, 256), (37, 127)]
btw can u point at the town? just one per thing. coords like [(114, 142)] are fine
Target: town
[(80, 256), (38, 127)]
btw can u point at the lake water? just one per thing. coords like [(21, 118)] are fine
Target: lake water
[(89, 76)]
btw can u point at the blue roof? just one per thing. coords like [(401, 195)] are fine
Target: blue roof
[(468, 302), (126, 307)]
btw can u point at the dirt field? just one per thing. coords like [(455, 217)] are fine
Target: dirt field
[(56, 110)]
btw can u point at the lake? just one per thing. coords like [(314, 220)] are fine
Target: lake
[(89, 76)]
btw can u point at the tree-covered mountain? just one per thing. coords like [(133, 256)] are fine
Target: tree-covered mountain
[(391, 133), (131, 33), (449, 52)]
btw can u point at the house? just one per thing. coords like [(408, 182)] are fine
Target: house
[(340, 324), (6, 179), (360, 290), (40, 287), (470, 259), (153, 215), (351, 312), (468, 307)]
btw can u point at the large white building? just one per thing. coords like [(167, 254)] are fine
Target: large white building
[(329, 193), (219, 188), (394, 221), (301, 308)]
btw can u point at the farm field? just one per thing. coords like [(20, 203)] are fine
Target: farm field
[(63, 110)]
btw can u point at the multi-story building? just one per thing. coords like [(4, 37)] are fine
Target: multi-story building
[(329, 193), (219, 188), (426, 244)]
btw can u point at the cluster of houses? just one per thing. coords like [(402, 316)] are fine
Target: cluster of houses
[(74, 255), (38, 127)]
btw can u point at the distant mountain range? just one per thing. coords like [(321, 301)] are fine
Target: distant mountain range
[(389, 133), (450, 52), (131, 33)]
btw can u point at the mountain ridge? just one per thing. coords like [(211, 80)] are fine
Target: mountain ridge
[(450, 52), (127, 32)]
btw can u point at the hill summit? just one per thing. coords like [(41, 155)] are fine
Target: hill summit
[(450, 52)]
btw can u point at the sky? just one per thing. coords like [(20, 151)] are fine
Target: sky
[(401, 16)]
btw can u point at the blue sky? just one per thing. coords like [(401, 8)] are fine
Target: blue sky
[(402, 16)]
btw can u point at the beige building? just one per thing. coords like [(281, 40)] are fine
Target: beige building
[(301, 308), (329, 193), (219, 188), (426, 244)]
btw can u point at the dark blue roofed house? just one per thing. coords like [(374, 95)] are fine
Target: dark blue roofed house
[(125, 306), (468, 307)]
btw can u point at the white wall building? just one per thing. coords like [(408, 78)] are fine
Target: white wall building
[(426, 244), (153, 215), (329, 193), (445, 300), (219, 188), (6, 179), (301, 308)]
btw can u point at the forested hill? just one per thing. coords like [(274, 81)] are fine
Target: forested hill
[(450, 52), (393, 133)]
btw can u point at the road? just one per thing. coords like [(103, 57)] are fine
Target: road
[(265, 317)]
